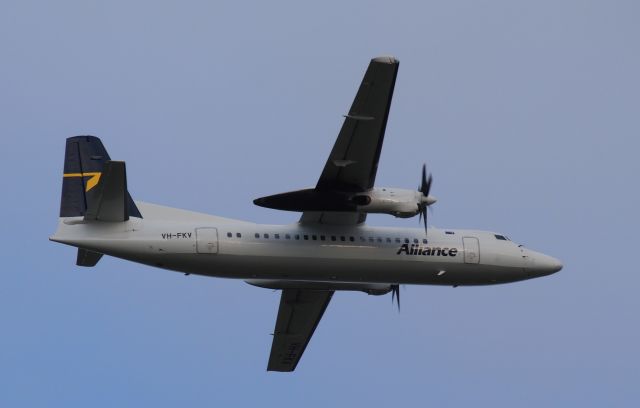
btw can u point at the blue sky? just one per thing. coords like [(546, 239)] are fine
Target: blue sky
[(527, 114)]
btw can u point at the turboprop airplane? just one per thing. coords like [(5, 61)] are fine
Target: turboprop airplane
[(329, 249)]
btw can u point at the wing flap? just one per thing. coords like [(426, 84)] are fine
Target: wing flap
[(299, 313)]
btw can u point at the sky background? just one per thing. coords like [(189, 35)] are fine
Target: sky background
[(527, 114)]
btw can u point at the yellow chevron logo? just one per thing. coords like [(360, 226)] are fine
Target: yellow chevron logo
[(91, 183)]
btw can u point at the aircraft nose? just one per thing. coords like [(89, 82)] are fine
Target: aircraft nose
[(547, 264)]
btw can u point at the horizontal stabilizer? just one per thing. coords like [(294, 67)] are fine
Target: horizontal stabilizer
[(111, 204), (87, 258)]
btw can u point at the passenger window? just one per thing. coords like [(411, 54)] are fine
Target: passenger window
[(398, 240), (424, 241), (297, 237), (238, 235), (322, 237), (371, 239), (287, 236), (306, 237), (342, 238), (406, 240), (333, 237), (415, 240), (257, 235), (276, 236), (266, 236), (314, 237), (229, 234), (352, 239), (388, 240)]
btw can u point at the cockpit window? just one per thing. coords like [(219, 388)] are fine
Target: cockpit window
[(501, 237)]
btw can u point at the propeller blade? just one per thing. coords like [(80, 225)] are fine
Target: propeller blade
[(395, 294), (424, 216), (425, 188), (423, 184)]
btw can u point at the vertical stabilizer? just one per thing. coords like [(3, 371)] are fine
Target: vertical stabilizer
[(84, 164)]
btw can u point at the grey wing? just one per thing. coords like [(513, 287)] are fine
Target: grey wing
[(353, 162), (298, 316)]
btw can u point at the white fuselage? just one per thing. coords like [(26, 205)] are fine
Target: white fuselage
[(214, 246)]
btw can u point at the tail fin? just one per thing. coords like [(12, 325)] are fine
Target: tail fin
[(84, 163)]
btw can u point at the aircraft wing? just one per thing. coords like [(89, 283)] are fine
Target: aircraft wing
[(298, 316), (353, 162)]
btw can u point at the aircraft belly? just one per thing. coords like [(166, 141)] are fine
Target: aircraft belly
[(334, 270)]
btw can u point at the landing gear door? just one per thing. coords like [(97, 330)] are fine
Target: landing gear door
[(207, 240), (471, 250)]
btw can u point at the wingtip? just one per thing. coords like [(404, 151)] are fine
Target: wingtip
[(386, 59)]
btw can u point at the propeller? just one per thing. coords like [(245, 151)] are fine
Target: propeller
[(395, 294), (426, 200)]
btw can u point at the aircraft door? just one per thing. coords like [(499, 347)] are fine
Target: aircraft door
[(471, 250), (207, 240)]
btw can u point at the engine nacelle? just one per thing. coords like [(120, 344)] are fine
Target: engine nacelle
[(395, 201)]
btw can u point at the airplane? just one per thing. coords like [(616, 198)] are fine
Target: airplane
[(329, 249)]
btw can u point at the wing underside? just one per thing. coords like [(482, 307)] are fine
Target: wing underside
[(353, 162), (298, 316)]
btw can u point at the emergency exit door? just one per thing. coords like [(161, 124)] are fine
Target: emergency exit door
[(207, 240), (471, 250)]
